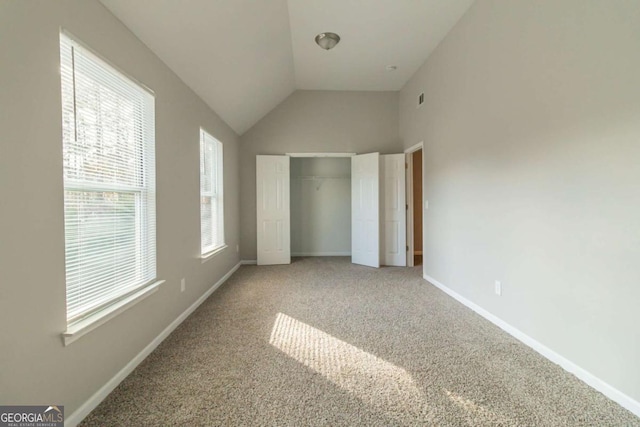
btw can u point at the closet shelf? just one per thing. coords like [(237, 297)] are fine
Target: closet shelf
[(317, 177)]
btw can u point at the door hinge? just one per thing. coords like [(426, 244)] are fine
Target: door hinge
[(406, 207), (407, 248), (406, 165)]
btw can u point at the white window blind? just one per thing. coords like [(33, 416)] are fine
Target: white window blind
[(109, 182), (211, 198)]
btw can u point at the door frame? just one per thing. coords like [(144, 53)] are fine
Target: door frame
[(409, 152), (335, 155)]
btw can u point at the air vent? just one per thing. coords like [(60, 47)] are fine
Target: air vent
[(420, 99)]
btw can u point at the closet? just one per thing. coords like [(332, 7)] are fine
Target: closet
[(320, 206), (304, 207)]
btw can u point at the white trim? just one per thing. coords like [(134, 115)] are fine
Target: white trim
[(321, 254), (408, 158), (75, 418), (249, 262), (415, 147), (84, 326), (409, 153), (320, 154), (215, 176), (587, 377)]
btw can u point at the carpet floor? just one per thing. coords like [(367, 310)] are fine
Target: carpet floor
[(322, 342)]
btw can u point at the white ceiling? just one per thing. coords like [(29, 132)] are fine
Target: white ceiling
[(243, 57), (374, 34)]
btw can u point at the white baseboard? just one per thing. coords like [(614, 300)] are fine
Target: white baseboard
[(75, 418), (590, 379), (249, 262), (321, 254)]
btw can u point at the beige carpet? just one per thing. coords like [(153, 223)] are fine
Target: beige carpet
[(324, 342)]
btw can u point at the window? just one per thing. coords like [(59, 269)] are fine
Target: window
[(211, 199), (109, 182)]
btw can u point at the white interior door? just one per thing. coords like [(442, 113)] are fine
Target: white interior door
[(394, 220), (272, 206), (365, 209)]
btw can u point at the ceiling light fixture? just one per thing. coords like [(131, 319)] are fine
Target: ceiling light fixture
[(327, 40)]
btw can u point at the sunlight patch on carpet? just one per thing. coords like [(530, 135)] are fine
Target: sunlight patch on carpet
[(477, 413), (374, 381)]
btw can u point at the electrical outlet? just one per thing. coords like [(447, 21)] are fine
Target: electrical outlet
[(183, 284), (426, 205), (498, 288)]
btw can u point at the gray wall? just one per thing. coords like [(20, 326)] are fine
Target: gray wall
[(532, 141), (36, 367), (320, 206), (314, 121)]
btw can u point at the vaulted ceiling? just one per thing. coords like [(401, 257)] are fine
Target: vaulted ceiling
[(243, 57)]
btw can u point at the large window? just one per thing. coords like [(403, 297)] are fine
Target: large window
[(211, 199), (109, 182)]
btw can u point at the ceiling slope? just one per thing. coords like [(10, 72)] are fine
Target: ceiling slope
[(235, 54), (244, 57)]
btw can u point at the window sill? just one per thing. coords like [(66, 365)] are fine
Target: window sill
[(79, 329), (206, 257)]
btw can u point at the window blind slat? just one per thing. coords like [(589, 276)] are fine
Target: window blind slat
[(109, 177)]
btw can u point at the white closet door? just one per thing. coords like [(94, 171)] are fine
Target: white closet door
[(272, 205), (365, 209), (394, 241)]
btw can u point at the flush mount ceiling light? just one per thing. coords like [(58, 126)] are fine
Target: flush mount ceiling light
[(327, 40)]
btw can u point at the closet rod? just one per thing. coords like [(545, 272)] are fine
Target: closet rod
[(314, 177)]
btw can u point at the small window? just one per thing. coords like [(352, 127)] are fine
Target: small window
[(108, 146), (211, 197)]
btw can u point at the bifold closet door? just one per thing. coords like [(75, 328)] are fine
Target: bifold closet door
[(394, 212), (272, 210), (365, 209)]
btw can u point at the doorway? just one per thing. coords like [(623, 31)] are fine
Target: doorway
[(414, 172)]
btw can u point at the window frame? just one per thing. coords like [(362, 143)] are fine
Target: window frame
[(142, 281), (216, 195)]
